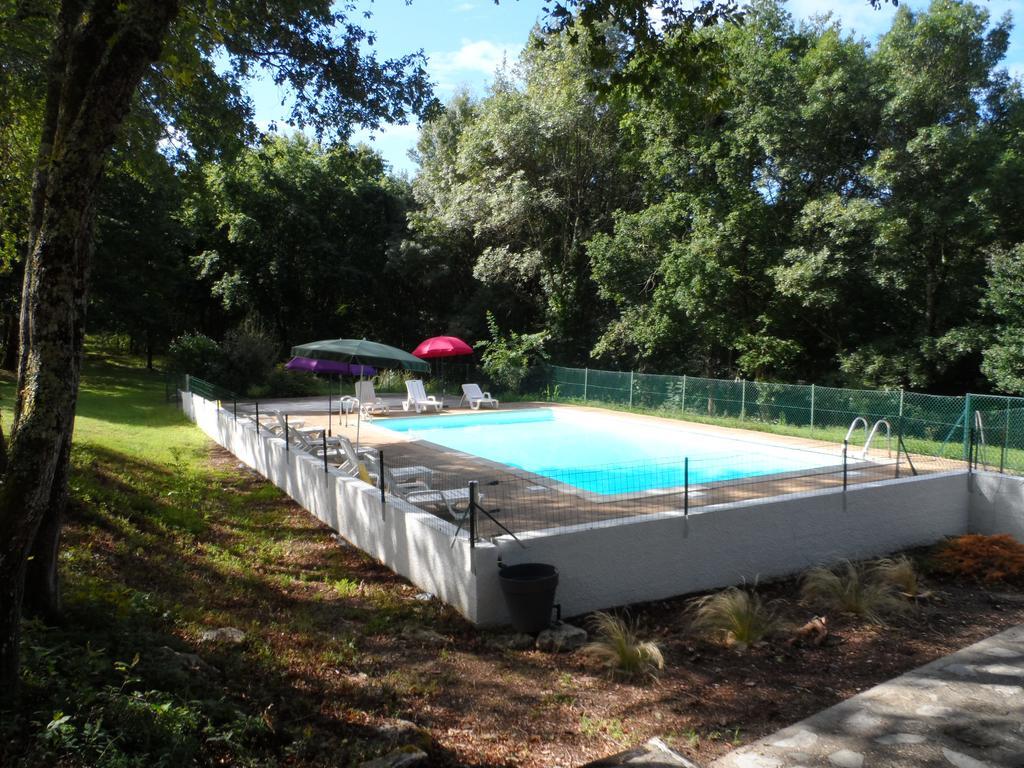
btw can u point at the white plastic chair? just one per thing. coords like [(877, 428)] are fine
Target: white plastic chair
[(476, 398), (418, 398)]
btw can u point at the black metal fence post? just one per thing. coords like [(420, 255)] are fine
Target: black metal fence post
[(899, 446), (380, 467), (846, 446), (686, 486), (472, 513), (257, 417), (324, 433), (329, 409), (234, 407)]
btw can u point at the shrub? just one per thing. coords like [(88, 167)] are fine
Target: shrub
[(618, 647), (734, 616), (986, 558), (195, 354), (899, 573), (249, 355), (506, 360), (851, 588)]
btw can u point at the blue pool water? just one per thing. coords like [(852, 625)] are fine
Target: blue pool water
[(604, 455)]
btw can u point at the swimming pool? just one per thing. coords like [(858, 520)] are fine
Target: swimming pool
[(605, 454)]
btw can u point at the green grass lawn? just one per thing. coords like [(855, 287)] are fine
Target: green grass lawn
[(167, 537)]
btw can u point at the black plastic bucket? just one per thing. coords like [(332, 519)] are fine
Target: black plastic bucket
[(529, 590)]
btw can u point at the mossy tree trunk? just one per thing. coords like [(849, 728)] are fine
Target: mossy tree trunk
[(99, 54)]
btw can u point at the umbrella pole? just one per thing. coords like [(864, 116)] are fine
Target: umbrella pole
[(330, 395)]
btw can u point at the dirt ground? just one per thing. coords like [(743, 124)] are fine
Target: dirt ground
[(362, 658)]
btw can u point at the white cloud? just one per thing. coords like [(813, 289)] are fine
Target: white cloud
[(475, 58), (464, 7)]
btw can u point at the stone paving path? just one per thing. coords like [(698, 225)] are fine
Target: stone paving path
[(965, 710)]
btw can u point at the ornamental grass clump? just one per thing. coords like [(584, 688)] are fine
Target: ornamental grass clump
[(901, 574), (734, 616), (852, 588), (992, 559), (618, 647)]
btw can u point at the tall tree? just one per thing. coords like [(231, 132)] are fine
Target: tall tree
[(100, 54)]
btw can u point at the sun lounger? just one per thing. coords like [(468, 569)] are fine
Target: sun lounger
[(369, 403), (476, 398), (418, 397)]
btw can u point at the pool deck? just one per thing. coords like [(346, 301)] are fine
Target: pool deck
[(530, 502)]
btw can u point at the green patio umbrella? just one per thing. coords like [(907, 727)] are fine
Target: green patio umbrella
[(361, 352)]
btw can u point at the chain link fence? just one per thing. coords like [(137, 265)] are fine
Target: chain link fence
[(915, 433), (930, 425)]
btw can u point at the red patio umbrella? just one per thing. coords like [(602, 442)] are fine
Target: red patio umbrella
[(441, 347)]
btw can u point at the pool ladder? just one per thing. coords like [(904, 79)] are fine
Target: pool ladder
[(871, 435)]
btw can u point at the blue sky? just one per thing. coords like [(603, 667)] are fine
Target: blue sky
[(466, 40)]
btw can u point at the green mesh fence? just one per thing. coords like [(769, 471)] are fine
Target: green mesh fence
[(931, 425), (208, 390)]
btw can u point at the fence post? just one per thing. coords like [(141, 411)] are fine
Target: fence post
[(329, 414), (743, 399), (287, 441), (257, 417), (899, 442), (188, 382), (324, 434), (380, 466), (686, 497), (846, 446), (968, 428), (812, 409), (234, 407), (586, 377), (631, 390), (1006, 437), (682, 403), (472, 513), (902, 392)]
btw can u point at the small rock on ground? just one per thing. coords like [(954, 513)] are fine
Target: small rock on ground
[(561, 637), (231, 635), (397, 758), (654, 754), (404, 732)]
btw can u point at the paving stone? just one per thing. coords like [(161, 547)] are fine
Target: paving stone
[(960, 760), (901, 738), (864, 723), (970, 703), (751, 760), (802, 739), (846, 758)]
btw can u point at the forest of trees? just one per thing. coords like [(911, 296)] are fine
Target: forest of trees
[(780, 200)]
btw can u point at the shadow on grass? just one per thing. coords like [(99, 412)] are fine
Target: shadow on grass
[(153, 555)]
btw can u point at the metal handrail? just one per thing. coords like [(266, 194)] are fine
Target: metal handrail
[(888, 438)]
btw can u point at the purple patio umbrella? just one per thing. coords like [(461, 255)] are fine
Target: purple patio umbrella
[(331, 368)]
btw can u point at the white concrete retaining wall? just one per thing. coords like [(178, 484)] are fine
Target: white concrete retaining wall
[(997, 504), (640, 559), (660, 556), (413, 543)]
